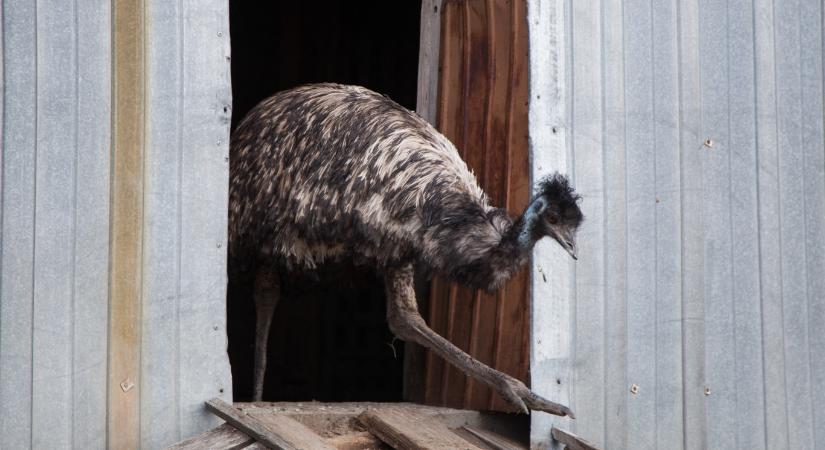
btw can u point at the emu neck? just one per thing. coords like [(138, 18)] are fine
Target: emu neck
[(526, 227)]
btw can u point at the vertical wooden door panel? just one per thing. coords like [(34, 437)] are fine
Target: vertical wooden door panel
[(482, 108)]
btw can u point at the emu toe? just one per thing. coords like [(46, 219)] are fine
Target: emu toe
[(520, 396)]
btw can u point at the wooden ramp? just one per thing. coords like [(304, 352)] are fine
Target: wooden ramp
[(360, 426)]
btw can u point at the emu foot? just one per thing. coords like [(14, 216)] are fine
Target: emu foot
[(520, 396)]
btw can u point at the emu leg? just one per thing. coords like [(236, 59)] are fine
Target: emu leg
[(407, 324), (267, 293)]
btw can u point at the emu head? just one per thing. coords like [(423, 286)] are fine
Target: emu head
[(559, 213)]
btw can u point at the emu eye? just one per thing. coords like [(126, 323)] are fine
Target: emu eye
[(553, 219)]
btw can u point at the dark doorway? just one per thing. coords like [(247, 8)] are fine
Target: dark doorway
[(329, 338)]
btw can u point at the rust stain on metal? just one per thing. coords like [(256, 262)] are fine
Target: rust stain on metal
[(126, 232)]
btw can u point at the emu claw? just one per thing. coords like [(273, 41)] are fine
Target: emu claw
[(517, 394), (538, 403)]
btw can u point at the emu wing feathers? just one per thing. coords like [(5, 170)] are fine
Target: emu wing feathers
[(327, 171)]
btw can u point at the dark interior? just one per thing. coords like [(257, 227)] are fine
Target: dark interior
[(329, 339)]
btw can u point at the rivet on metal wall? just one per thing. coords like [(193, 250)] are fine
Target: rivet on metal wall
[(634, 389), (708, 143), (220, 33), (218, 245), (707, 391)]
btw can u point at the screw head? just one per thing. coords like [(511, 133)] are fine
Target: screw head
[(708, 143), (707, 390), (634, 389)]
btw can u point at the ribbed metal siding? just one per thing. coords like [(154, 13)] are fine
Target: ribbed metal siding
[(694, 130), (55, 183), (54, 240), (184, 360)]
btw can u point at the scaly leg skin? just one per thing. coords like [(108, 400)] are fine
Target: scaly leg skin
[(407, 324), (267, 293)]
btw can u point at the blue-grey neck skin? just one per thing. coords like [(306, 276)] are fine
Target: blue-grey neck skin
[(530, 220)]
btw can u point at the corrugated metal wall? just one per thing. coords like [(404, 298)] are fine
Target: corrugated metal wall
[(55, 238), (694, 131)]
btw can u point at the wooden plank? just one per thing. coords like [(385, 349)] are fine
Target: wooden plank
[(572, 441), (363, 440), (292, 431), (428, 57), (494, 440), (483, 110), (442, 291), (404, 429), (477, 93), (512, 319), (222, 437), (243, 422), (415, 356), (273, 430), (456, 127), (126, 231)]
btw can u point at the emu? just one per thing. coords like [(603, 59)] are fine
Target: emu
[(324, 172)]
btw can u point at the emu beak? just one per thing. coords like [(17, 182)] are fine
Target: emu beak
[(567, 242), (571, 248)]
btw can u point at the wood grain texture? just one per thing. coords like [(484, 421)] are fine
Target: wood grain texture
[(126, 230), (493, 440), (224, 437), (405, 429), (482, 108), (272, 430), (293, 432), (363, 440)]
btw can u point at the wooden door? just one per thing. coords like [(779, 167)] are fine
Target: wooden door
[(482, 108)]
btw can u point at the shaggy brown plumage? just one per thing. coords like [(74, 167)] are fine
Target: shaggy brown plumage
[(328, 171)]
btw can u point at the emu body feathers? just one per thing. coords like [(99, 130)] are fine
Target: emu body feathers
[(329, 171)]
